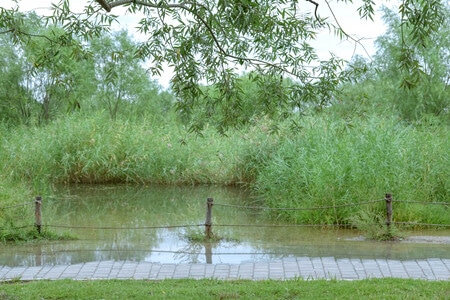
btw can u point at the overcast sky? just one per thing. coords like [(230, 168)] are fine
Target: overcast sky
[(347, 16)]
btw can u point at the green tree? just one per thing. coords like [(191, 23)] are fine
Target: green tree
[(386, 88), (120, 78), (423, 92), (55, 73), (16, 103), (212, 41), (53, 78), (255, 102)]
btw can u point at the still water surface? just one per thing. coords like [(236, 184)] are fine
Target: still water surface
[(116, 223)]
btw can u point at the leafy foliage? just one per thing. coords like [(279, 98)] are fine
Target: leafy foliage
[(419, 21), (211, 42)]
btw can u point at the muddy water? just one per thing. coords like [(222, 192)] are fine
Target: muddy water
[(119, 223)]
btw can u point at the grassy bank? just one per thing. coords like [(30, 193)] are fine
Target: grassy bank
[(215, 289), (326, 161)]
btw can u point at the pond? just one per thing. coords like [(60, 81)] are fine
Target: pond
[(153, 223)]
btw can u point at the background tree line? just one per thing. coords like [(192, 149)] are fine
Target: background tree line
[(41, 82), (385, 86)]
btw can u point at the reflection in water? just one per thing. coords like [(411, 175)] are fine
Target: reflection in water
[(116, 223), (208, 253)]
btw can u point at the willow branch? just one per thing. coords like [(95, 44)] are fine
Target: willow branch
[(105, 5), (6, 31), (18, 32), (344, 32), (315, 10), (253, 61)]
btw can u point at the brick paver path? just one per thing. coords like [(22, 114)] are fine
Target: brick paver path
[(287, 268)]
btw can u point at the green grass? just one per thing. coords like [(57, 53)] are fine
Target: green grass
[(218, 289)]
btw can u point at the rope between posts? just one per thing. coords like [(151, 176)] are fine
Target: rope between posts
[(17, 205), (422, 224), (14, 228), (208, 222), (307, 208), (222, 225), (423, 203), (283, 225), (125, 228)]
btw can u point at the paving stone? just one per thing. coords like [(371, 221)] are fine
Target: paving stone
[(440, 269), (347, 270), (261, 271), (384, 267), (182, 271), (142, 271), (44, 270), (197, 271), (30, 273), (287, 268), (234, 272), (276, 270), (221, 271), (15, 273)]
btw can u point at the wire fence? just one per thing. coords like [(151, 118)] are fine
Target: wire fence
[(208, 223)]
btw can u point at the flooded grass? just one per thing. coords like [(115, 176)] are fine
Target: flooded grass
[(135, 223)]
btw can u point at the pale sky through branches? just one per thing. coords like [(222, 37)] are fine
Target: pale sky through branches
[(365, 31)]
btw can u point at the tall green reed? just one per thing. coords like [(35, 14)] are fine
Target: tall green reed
[(95, 150), (336, 162)]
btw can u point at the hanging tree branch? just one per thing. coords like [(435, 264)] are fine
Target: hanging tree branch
[(315, 10), (253, 61), (105, 5)]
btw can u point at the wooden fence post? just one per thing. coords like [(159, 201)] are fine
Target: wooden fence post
[(37, 213), (208, 222), (388, 199)]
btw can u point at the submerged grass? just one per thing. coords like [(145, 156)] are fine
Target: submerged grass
[(220, 289), (27, 234)]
